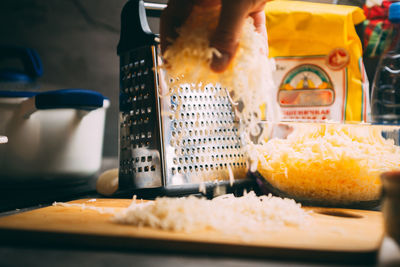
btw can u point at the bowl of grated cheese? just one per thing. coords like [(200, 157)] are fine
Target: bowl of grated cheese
[(327, 164)]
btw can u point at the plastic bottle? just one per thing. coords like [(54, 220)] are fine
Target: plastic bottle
[(385, 104)]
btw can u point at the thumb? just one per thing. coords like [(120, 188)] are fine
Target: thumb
[(226, 36)]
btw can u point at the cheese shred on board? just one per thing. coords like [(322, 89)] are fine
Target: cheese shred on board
[(331, 163), (225, 214)]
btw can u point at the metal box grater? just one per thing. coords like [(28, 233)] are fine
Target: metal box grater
[(161, 151)]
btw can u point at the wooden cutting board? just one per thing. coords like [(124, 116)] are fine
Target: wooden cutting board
[(333, 235)]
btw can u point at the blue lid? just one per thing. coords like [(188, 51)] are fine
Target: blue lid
[(66, 98), (70, 98), (15, 94), (14, 76), (394, 12), (32, 65)]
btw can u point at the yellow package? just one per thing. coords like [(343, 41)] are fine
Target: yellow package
[(319, 69)]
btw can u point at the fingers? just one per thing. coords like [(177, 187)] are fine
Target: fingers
[(226, 36), (259, 24), (172, 17)]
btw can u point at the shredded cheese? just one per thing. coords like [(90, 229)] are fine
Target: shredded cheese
[(83, 206), (248, 78), (225, 214), (332, 163)]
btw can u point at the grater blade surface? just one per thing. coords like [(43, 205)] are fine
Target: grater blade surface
[(181, 139), (140, 153)]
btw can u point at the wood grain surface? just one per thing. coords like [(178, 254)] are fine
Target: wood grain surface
[(342, 235)]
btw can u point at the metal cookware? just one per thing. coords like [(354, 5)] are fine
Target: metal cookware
[(52, 135)]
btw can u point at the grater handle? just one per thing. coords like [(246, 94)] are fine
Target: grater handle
[(154, 9), (135, 30)]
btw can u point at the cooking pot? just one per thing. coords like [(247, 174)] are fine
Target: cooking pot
[(53, 135)]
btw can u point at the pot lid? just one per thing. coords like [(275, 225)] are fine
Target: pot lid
[(64, 98), (14, 94)]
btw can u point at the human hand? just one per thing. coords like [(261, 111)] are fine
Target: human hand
[(226, 36)]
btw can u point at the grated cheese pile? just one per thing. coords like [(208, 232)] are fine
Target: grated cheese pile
[(83, 206), (225, 214), (248, 78), (332, 163)]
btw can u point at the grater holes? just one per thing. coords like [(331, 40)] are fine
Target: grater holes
[(207, 131)]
